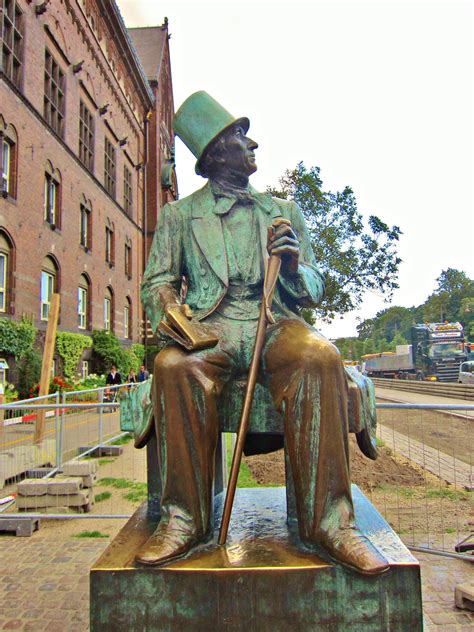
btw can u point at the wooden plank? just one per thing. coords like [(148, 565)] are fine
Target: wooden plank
[(48, 354)]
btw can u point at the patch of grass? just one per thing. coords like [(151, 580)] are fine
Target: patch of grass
[(246, 478), (138, 494), (106, 461), (102, 496), (122, 440), (379, 442), (118, 483), (446, 492), (450, 530), (90, 534), (406, 492)]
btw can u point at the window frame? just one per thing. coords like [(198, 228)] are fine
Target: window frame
[(110, 167), (86, 136), (109, 245), (4, 282), (82, 301), (107, 313), (12, 51), (85, 229), (45, 300), (127, 190), (54, 98), (126, 322), (52, 193)]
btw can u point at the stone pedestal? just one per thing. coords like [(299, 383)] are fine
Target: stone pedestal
[(262, 580)]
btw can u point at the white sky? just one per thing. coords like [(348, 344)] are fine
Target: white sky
[(378, 94)]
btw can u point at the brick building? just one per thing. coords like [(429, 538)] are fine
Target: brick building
[(86, 139)]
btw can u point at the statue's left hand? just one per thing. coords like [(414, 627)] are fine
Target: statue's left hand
[(284, 242)]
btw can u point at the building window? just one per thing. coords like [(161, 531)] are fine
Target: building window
[(8, 156), (109, 244), (3, 370), (12, 53), (86, 137), (127, 190), (51, 200), (83, 303), (49, 285), (109, 168), (86, 232), (128, 259), (82, 307), (47, 289), (126, 321), (85, 369), (109, 310), (3, 281), (6, 273), (54, 97)]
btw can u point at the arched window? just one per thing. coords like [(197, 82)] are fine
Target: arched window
[(127, 318), (83, 303), (52, 196), (109, 243), (49, 284), (128, 257), (8, 159), (86, 223), (109, 310), (6, 272)]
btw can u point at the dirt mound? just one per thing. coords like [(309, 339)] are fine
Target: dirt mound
[(269, 469)]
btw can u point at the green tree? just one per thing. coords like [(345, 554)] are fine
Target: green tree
[(446, 302), (355, 255)]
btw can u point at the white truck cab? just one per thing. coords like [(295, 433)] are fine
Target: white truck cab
[(466, 372)]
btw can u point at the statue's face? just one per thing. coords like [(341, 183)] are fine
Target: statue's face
[(239, 156)]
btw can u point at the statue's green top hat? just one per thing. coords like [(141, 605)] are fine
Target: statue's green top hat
[(200, 120)]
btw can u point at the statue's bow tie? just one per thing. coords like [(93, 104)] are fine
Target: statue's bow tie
[(226, 200)]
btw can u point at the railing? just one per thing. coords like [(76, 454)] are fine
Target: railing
[(422, 483)]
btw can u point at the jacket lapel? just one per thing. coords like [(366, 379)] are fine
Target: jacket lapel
[(207, 229)]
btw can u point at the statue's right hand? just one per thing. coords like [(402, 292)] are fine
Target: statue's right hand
[(183, 309)]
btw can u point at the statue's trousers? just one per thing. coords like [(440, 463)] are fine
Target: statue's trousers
[(306, 378)]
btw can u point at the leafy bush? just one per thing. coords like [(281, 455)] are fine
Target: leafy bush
[(17, 338), (92, 381), (107, 352), (71, 347), (30, 372)]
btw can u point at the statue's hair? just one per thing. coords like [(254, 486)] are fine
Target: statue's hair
[(212, 153)]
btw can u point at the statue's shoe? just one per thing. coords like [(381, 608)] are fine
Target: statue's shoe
[(354, 550), (171, 540)]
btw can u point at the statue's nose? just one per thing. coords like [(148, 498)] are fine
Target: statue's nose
[(252, 144)]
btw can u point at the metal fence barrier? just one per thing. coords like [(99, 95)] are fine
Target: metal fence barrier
[(87, 468)]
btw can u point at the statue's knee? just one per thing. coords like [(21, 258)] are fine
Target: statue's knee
[(320, 353), (169, 360)]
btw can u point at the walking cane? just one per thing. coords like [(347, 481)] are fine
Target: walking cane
[(271, 276)]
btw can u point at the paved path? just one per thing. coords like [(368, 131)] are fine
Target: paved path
[(44, 583), (443, 465)]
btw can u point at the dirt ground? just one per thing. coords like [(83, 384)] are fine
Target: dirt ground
[(415, 503)]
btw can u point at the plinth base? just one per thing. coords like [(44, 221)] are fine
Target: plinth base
[(262, 580)]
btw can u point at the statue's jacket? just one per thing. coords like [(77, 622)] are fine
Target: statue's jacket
[(189, 245)]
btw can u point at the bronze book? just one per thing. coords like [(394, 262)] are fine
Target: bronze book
[(183, 331)]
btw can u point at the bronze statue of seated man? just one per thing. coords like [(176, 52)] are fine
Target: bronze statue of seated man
[(216, 240)]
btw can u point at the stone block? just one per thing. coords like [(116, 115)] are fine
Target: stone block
[(464, 596), (64, 485), (81, 498), (263, 580), (32, 487), (80, 468), (88, 481), (21, 526)]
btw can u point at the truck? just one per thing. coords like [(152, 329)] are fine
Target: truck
[(435, 353)]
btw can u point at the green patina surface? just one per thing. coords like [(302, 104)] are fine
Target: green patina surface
[(311, 594)]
